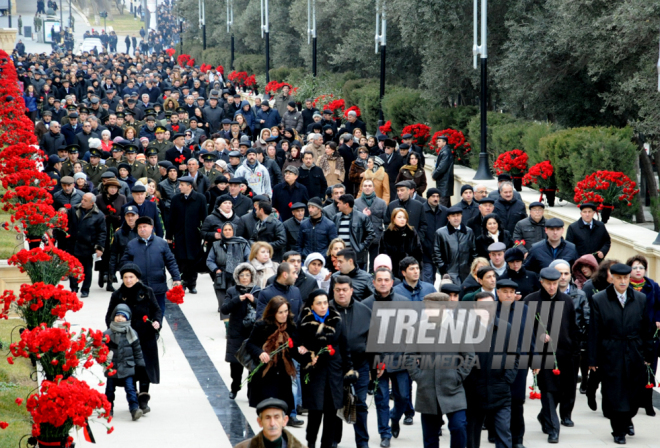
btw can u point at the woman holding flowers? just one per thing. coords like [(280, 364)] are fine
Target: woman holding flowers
[(146, 321), (109, 202), (272, 334), (325, 367)]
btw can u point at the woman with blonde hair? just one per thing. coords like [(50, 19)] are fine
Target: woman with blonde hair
[(261, 255), (130, 134), (376, 173), (471, 284), (170, 104), (331, 256)]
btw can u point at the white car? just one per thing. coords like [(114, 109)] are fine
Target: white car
[(89, 44)]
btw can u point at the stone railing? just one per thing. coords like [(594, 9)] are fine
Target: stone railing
[(627, 239), (8, 38)]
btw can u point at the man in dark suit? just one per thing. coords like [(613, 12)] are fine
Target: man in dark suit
[(174, 155), (415, 209), (392, 161), (588, 235)]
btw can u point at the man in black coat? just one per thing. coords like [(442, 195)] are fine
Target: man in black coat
[(555, 247), (292, 226), (242, 204), (436, 218), (304, 282), (283, 285), (454, 247), (392, 162), (443, 173), (557, 383), (527, 281), (288, 193), (354, 228), (87, 234), (588, 235), (508, 208), (486, 207), (311, 176), (468, 204), (415, 209), (188, 211), (177, 152), (621, 348), (52, 140), (269, 229)]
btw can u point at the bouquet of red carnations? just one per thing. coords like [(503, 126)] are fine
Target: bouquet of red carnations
[(513, 162)]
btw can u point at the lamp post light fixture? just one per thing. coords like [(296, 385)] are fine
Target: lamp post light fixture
[(381, 41), (311, 31), (230, 23), (483, 171), (202, 20), (265, 33)]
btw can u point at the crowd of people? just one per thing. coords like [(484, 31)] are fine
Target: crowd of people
[(303, 222)]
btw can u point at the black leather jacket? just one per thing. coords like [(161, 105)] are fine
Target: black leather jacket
[(454, 251)]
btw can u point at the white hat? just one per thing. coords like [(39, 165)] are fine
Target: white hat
[(314, 256), (94, 143)]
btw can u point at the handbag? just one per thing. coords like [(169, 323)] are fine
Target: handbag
[(244, 357), (348, 412), (251, 317)]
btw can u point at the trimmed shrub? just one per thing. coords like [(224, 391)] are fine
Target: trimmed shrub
[(530, 140), (404, 106), (352, 85), (217, 56), (251, 63), (368, 100), (452, 117), (576, 153)]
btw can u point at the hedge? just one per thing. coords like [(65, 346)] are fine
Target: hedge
[(404, 106), (251, 63), (578, 152), (349, 88), (457, 118)]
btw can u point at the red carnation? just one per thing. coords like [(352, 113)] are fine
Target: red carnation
[(10, 360), (112, 428), (145, 318), (19, 401), (3, 425), (290, 204), (290, 343), (176, 294), (556, 372), (67, 206), (331, 350), (649, 386)]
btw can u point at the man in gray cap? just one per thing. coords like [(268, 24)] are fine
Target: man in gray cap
[(273, 417), (68, 195), (621, 349), (454, 247), (496, 256), (144, 207), (531, 230), (289, 192), (187, 214), (557, 383), (554, 247)]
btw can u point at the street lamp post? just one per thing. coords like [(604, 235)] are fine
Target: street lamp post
[(9, 14), (483, 171), (265, 33), (61, 17), (230, 22), (381, 40), (202, 21), (180, 36), (70, 17), (311, 31)]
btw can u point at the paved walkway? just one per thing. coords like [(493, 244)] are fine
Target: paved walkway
[(27, 8), (191, 406)]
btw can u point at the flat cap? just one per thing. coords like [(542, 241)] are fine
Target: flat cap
[(108, 175), (551, 274), (620, 269), (454, 210), (236, 180), (554, 223), (487, 200), (450, 287), (66, 180), (507, 283), (138, 189), (187, 179), (270, 403), (590, 205), (503, 177), (536, 204), (298, 205), (406, 136), (497, 247), (291, 169)]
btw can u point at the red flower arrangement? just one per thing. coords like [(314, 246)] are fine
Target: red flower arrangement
[(183, 59), (327, 349), (111, 209), (191, 62), (63, 403), (250, 81), (25, 195), (35, 219), (287, 345), (460, 147), (220, 69), (541, 174), (513, 162), (40, 303), (180, 160), (321, 101), (535, 393), (176, 295), (237, 77), (420, 133), (204, 68), (170, 52), (387, 127), (606, 189), (355, 109), (337, 107), (49, 265)]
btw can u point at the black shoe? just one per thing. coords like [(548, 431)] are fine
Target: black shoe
[(540, 419), (232, 395), (408, 421), (192, 290), (101, 279), (84, 294), (591, 401), (518, 445), (553, 438), (491, 439), (136, 414), (143, 402), (295, 422), (583, 391), (566, 421), (650, 411), (620, 440), (384, 443), (300, 410), (110, 288), (396, 429), (631, 430)]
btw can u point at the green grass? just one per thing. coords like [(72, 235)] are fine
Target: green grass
[(15, 383), (9, 245)]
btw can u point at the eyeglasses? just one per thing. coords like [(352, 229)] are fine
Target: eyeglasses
[(245, 275), (638, 268)]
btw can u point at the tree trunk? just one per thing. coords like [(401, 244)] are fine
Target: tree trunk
[(647, 172), (639, 213)]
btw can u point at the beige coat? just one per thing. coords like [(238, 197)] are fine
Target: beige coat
[(381, 183), (333, 177)]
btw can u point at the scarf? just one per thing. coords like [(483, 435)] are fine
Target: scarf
[(369, 199), (226, 215), (410, 168), (361, 163), (229, 253), (321, 319), (638, 285), (122, 328), (275, 340), (324, 162)]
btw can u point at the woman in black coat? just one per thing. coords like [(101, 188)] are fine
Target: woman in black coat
[(400, 240), (142, 302), (110, 202), (274, 379), (323, 376), (239, 305), (492, 232)]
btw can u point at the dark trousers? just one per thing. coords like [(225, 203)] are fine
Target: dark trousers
[(188, 269), (584, 370), (517, 421), (593, 383), (549, 402), (428, 272), (88, 266), (129, 387), (160, 298), (400, 388), (431, 424), (620, 422), (501, 418), (330, 422), (236, 376), (373, 253), (445, 201), (360, 426), (220, 294)]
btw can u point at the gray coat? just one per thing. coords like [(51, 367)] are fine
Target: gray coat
[(529, 230), (292, 120), (125, 355), (378, 212), (443, 173)]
